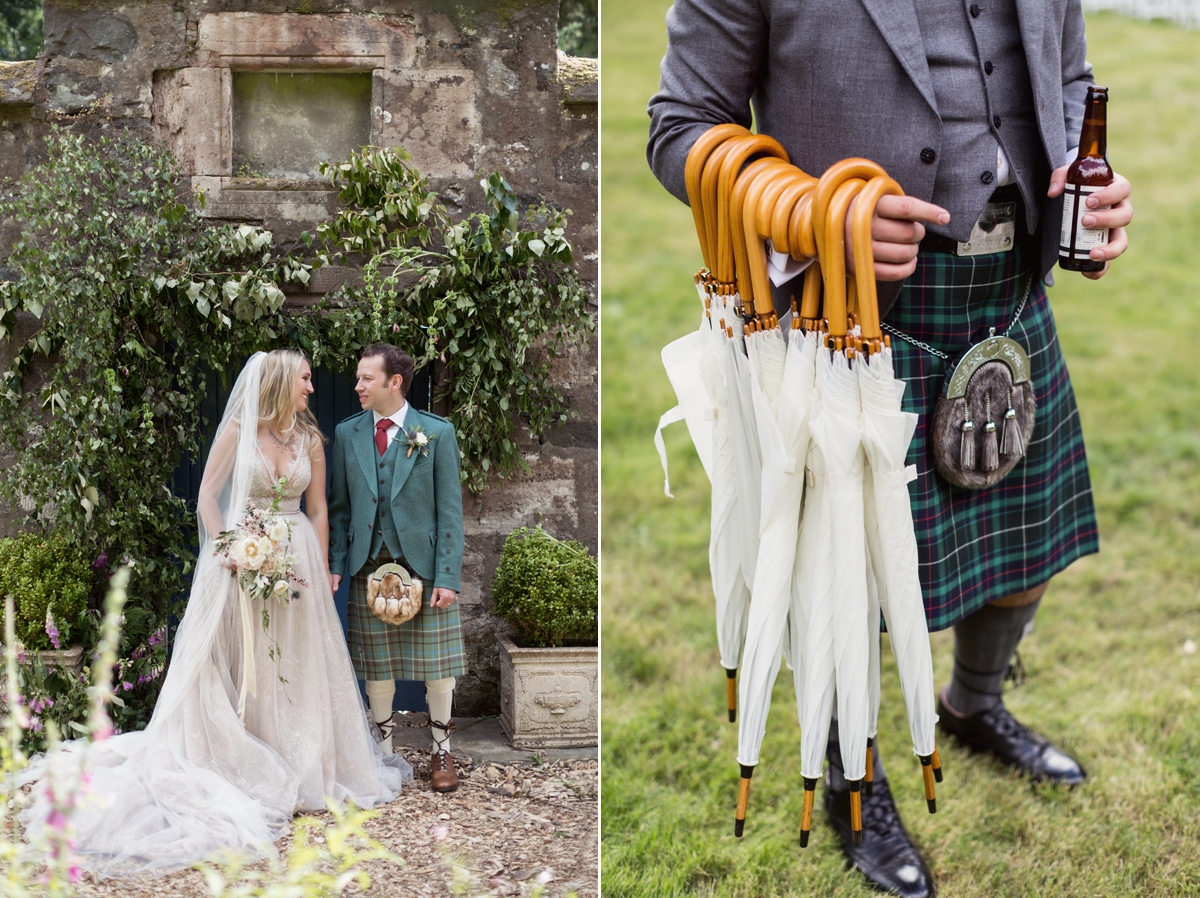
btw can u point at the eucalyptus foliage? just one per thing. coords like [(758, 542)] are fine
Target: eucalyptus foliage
[(491, 297), (137, 298)]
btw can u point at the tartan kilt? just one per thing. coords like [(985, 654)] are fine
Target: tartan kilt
[(428, 647), (976, 546)]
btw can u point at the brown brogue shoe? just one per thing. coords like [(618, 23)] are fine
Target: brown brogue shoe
[(442, 772)]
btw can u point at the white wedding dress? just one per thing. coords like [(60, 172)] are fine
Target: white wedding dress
[(198, 780)]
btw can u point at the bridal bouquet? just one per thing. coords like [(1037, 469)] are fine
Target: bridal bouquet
[(258, 549)]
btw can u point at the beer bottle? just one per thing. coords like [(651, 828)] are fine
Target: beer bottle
[(1088, 173)]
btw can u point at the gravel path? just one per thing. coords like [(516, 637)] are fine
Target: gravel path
[(505, 828)]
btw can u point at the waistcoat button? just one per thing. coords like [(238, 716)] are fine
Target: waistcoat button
[(986, 177), (974, 10), (996, 120), (987, 67), (928, 155)]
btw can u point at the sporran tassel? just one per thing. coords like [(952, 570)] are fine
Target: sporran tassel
[(966, 452), (1012, 443), (991, 454)]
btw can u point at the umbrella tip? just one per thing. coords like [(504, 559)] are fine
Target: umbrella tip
[(937, 766), (731, 693), (932, 802), (739, 821), (810, 787), (856, 811), (927, 773)]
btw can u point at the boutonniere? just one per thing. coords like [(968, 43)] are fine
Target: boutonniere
[(418, 439)]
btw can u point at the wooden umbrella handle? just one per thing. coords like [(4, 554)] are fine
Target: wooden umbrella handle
[(810, 299), (864, 257), (797, 186), (709, 184), (834, 177), (831, 237), (753, 178), (693, 172), (742, 149), (801, 232), (757, 206)]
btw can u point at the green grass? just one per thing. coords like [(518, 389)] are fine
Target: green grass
[(1108, 676)]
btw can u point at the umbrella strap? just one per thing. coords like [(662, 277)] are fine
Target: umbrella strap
[(896, 332), (669, 417)]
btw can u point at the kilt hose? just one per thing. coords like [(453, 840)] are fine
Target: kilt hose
[(428, 647), (976, 546)]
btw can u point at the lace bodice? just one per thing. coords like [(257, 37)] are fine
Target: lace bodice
[(262, 485)]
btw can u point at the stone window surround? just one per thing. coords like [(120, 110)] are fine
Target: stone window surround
[(198, 120)]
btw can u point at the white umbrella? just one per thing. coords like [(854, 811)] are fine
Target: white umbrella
[(887, 433), (781, 380)]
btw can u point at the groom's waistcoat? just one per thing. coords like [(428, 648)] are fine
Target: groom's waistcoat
[(384, 532)]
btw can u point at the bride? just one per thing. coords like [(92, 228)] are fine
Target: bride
[(202, 776)]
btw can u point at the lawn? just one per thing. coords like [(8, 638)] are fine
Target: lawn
[(1113, 674)]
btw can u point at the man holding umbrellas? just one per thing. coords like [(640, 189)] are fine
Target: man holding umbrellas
[(969, 107)]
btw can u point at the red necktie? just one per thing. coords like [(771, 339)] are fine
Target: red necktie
[(381, 429)]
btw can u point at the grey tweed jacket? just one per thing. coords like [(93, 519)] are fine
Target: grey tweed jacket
[(836, 78)]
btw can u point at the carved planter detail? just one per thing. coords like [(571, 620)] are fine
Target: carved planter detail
[(548, 697)]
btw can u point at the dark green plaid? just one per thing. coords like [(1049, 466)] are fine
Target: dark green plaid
[(428, 647), (977, 546)]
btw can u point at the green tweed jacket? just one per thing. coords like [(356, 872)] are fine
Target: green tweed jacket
[(424, 499)]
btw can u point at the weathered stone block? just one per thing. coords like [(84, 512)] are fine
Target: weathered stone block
[(432, 114), (18, 80), (260, 40), (548, 697)]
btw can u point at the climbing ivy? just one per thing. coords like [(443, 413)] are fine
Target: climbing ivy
[(491, 298), (137, 298)]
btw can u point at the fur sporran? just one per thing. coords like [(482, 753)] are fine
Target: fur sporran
[(983, 421), (393, 595)]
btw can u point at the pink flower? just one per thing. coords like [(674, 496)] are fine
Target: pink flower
[(51, 630), (36, 724), (126, 685), (395, 328), (57, 820)]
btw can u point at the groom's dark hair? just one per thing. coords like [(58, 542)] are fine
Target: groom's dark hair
[(395, 361)]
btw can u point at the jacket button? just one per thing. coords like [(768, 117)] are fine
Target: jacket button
[(996, 120), (986, 177), (928, 155), (988, 67), (447, 570), (373, 499), (974, 10)]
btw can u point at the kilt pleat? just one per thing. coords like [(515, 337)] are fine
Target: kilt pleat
[(976, 546), (428, 647)]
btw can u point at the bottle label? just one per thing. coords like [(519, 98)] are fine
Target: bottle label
[(1076, 241)]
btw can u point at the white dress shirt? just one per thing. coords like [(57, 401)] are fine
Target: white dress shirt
[(397, 419)]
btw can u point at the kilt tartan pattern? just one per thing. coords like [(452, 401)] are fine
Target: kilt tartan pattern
[(976, 546), (428, 647)]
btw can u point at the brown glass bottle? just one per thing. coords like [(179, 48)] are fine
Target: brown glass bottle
[(1088, 173)]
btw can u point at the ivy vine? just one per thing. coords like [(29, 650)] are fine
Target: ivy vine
[(139, 298), (491, 297)]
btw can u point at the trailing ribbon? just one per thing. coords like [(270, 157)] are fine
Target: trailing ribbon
[(249, 677)]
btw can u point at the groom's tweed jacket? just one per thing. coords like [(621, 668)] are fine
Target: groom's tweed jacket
[(836, 78), (424, 502)]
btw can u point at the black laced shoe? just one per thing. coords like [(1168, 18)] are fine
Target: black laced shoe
[(996, 731), (887, 857)]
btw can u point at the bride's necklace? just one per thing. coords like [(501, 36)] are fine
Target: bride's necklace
[(287, 445)]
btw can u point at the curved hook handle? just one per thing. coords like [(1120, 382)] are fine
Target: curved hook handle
[(693, 172), (864, 257), (748, 196), (831, 238), (742, 149), (834, 177), (795, 187)]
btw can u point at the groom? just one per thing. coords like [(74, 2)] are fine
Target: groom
[(395, 496)]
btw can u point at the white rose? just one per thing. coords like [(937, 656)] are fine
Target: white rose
[(251, 552), (279, 532), (421, 439), (281, 587)]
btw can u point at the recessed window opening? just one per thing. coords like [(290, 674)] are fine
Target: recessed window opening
[(286, 123)]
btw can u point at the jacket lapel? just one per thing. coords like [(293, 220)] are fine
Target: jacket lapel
[(897, 22), (404, 461), (363, 442), (1042, 56)]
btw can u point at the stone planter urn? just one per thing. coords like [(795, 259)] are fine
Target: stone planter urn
[(65, 659), (549, 696)]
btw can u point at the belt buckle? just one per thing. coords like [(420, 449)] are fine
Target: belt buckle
[(994, 231)]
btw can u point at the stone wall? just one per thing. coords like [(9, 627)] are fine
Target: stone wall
[(466, 87)]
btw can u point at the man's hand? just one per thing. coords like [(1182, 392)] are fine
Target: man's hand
[(442, 597), (1112, 209), (335, 580), (896, 232)]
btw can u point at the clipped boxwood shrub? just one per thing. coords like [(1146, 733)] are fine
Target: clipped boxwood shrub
[(547, 589), (44, 574)]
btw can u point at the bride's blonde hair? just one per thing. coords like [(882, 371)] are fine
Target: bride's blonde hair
[(277, 395)]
